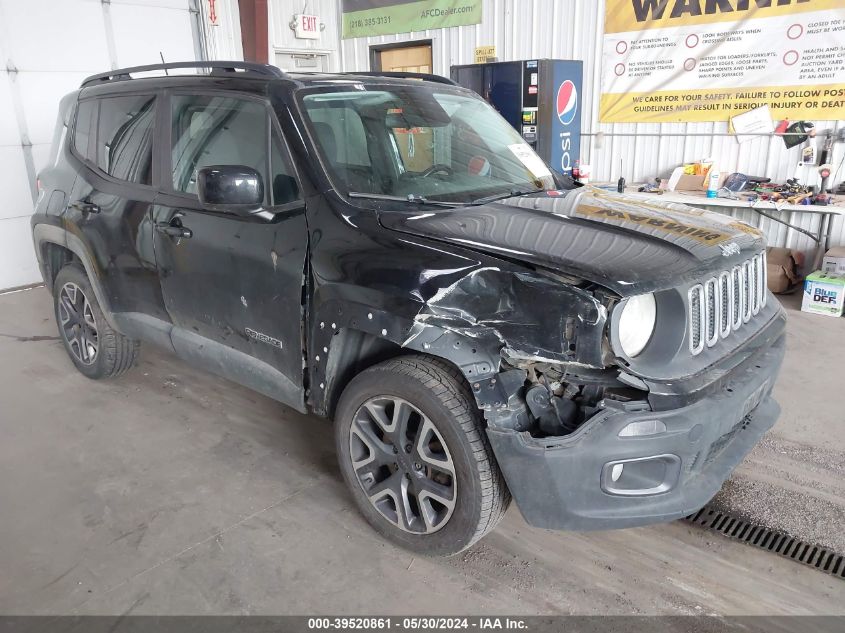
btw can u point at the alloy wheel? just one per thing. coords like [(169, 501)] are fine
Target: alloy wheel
[(78, 325), (403, 464)]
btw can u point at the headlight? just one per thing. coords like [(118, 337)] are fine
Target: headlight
[(636, 323)]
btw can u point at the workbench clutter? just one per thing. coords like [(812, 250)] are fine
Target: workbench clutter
[(813, 180), (704, 176)]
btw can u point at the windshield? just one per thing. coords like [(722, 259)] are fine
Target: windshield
[(420, 142)]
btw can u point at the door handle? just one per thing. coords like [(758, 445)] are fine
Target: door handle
[(177, 232), (85, 206)]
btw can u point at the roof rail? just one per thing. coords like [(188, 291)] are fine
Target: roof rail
[(226, 67), (403, 75)]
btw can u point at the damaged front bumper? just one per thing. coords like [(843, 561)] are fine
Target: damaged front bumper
[(595, 479)]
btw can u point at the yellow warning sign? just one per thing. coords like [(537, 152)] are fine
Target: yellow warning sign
[(709, 60), (484, 54)]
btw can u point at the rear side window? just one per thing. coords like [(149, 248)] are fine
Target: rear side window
[(125, 138), (82, 132)]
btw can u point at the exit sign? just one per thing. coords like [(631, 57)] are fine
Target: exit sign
[(307, 27)]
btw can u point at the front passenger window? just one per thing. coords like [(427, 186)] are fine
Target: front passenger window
[(216, 130)]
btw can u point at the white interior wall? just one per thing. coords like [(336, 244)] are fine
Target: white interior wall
[(222, 40), (283, 39), (47, 47)]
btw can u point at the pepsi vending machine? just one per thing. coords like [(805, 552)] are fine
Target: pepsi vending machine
[(539, 98)]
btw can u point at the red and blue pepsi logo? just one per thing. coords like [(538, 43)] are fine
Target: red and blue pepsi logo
[(567, 102)]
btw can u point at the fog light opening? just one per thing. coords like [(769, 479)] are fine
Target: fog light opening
[(641, 475), (616, 472)]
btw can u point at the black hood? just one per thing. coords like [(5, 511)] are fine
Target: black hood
[(625, 244)]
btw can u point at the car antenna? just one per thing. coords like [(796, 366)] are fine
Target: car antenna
[(620, 185), (160, 54)]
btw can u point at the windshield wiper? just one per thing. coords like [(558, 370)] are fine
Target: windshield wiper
[(409, 198), (513, 193)]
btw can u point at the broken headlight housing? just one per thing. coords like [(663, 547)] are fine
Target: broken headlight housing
[(636, 323)]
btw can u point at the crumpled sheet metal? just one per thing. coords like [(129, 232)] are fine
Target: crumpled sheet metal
[(520, 313)]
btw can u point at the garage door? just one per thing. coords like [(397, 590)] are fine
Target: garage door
[(46, 48)]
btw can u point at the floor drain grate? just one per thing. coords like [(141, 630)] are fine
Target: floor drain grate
[(816, 556)]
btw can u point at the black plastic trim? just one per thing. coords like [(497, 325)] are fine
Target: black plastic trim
[(404, 75), (122, 74)]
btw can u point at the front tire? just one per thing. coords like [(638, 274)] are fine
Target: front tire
[(95, 348), (413, 450)]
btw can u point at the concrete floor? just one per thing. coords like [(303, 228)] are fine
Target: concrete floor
[(170, 491), (794, 480)]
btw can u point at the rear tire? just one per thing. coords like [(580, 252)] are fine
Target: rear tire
[(95, 348), (413, 450)]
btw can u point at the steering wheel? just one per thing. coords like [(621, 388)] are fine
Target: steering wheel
[(437, 168)]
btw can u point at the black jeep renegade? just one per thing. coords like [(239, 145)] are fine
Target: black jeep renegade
[(387, 251)]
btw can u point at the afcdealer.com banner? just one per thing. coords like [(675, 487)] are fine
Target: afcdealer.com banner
[(362, 18), (708, 60)]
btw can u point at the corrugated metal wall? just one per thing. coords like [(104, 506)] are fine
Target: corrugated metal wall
[(572, 29)]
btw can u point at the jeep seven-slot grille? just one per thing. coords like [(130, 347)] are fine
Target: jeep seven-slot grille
[(725, 302)]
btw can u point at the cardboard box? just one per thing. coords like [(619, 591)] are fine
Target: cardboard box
[(834, 260), (824, 293), (781, 269), (696, 183)]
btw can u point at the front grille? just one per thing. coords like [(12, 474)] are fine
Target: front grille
[(711, 311), (696, 318), (736, 298), (725, 302)]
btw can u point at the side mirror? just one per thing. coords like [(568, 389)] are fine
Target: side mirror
[(235, 189)]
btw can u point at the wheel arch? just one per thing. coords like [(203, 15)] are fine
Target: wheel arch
[(358, 337), (54, 257), (56, 246), (350, 352)]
